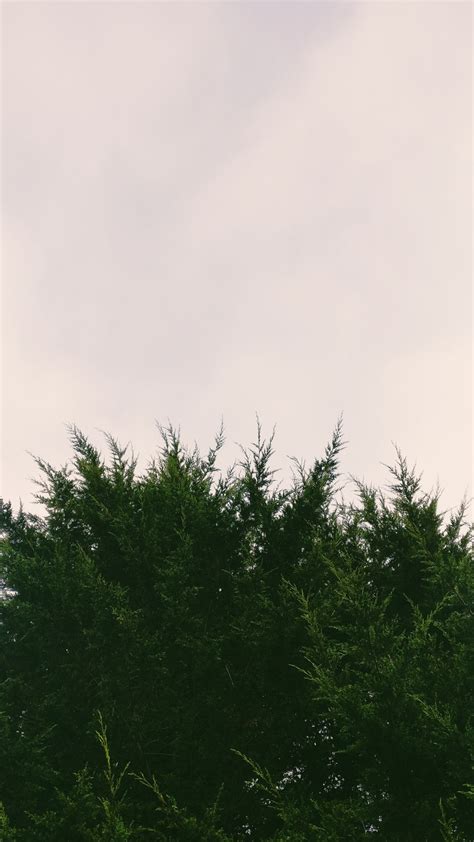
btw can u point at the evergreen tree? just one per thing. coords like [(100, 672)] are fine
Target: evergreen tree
[(193, 655)]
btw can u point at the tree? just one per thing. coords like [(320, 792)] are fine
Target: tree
[(193, 655)]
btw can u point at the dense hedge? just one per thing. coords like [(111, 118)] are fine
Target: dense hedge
[(193, 655)]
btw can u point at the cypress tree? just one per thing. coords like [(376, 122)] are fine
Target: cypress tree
[(197, 655)]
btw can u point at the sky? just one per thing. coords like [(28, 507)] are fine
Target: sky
[(221, 209)]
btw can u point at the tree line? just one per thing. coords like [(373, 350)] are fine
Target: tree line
[(200, 655)]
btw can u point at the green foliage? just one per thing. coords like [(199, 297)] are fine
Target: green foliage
[(268, 664)]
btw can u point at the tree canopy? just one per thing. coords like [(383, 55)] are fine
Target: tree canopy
[(194, 654)]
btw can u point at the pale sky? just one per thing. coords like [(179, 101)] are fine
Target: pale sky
[(217, 209)]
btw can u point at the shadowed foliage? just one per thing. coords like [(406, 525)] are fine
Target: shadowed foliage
[(190, 654)]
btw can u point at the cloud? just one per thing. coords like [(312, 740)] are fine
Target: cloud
[(218, 208)]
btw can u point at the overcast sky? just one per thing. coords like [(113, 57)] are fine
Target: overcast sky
[(217, 209)]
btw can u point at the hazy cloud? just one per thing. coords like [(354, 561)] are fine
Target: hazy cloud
[(220, 208)]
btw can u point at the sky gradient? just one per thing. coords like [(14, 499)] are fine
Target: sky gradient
[(217, 209)]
